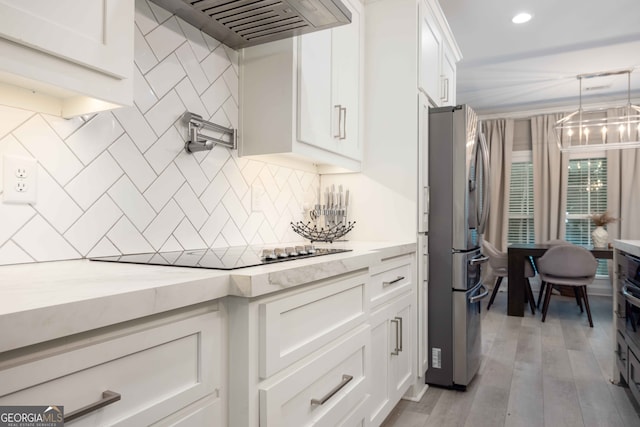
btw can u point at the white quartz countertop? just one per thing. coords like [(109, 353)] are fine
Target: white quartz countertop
[(43, 301), (629, 246)]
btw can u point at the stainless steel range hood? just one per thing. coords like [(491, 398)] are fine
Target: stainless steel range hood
[(244, 23)]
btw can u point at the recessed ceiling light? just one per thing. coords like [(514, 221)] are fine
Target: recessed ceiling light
[(521, 18)]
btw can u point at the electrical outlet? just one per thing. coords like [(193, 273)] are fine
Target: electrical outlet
[(22, 187), (21, 172), (19, 179)]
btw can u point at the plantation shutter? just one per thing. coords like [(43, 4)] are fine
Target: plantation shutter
[(521, 203), (586, 195)]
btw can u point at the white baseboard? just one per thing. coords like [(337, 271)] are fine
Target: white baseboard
[(414, 394)]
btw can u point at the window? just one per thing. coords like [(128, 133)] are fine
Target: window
[(586, 194), (521, 199)]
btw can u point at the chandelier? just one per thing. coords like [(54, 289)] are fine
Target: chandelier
[(602, 129)]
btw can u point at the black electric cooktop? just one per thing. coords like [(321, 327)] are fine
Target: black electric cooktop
[(223, 258)]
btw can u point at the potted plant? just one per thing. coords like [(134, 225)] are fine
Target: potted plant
[(599, 235)]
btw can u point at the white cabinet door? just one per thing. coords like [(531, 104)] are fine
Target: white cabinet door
[(321, 390), (314, 81), (66, 57), (314, 90), (448, 95), (401, 332), (205, 412), (329, 88), (381, 402), (158, 367), (87, 33), (296, 325), (430, 52), (391, 355), (346, 58)]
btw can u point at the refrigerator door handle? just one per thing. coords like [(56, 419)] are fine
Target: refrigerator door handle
[(479, 260), (481, 296), (486, 190)]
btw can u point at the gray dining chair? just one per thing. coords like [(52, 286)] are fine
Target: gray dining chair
[(499, 263), (567, 265), (543, 284)]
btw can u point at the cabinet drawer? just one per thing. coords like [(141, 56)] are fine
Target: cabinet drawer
[(206, 412), (158, 369), (322, 391), (622, 356), (391, 278), (634, 376), (357, 417), (294, 326)]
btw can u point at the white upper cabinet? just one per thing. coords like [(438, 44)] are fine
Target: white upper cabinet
[(346, 44), (301, 97), (314, 90), (448, 77), (430, 52), (438, 55), (66, 57), (328, 90)]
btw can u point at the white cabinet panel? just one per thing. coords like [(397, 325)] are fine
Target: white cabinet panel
[(301, 97), (346, 58), (430, 45), (88, 34), (157, 370), (380, 389), (393, 330), (206, 412), (392, 347), (391, 278), (437, 74), (329, 88), (322, 391), (296, 325), (448, 96), (66, 57), (314, 90), (402, 334)]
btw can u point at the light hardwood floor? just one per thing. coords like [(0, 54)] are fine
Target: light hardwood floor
[(533, 374)]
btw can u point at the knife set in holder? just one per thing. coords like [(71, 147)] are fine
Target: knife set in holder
[(329, 219)]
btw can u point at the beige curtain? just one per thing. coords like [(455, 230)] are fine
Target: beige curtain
[(550, 175), (623, 189), (499, 135)]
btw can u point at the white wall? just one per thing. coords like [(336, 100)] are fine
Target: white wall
[(122, 183), (385, 193)]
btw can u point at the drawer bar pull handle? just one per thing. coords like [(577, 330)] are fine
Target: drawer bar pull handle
[(108, 397), (396, 280), (399, 319), (397, 350), (339, 108), (344, 382)]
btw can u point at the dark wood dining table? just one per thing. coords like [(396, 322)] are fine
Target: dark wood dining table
[(517, 253)]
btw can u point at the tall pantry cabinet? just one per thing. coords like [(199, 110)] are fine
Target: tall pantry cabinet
[(410, 62)]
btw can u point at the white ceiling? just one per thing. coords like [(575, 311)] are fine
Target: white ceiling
[(508, 68)]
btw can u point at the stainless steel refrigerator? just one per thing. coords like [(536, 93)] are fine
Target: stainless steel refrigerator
[(458, 177)]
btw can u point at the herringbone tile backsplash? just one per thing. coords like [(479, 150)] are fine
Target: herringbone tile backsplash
[(120, 181)]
